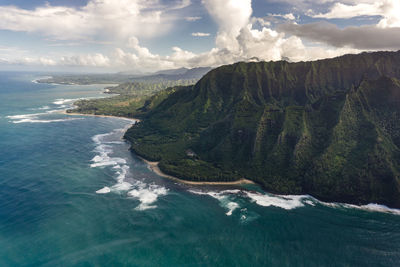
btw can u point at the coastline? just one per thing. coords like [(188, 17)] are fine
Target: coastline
[(96, 115), (153, 165)]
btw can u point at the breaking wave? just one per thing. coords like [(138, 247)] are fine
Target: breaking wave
[(62, 101), (36, 118), (286, 202), (43, 117), (146, 194), (372, 207), (229, 200), (226, 199)]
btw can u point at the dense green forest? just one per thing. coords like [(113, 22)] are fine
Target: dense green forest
[(329, 128)]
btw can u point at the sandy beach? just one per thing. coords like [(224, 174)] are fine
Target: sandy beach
[(153, 165), (95, 115)]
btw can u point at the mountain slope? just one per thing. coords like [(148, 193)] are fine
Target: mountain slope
[(329, 128), (174, 75)]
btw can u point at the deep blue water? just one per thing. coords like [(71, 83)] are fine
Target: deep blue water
[(56, 170)]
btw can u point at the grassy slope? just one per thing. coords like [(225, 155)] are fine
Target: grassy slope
[(132, 101), (329, 128)]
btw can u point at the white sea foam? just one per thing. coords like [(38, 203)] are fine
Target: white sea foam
[(147, 194), (309, 202), (226, 198), (104, 160), (215, 194), (104, 190), (285, 202), (35, 118), (41, 108), (62, 101), (231, 206), (288, 202), (121, 187), (43, 121), (25, 116), (104, 149), (372, 207), (229, 199)]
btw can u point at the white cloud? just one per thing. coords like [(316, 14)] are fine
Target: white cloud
[(99, 18), (37, 61), (90, 60), (200, 34), (240, 36), (237, 40), (193, 18), (260, 21), (389, 10), (231, 16), (141, 58), (180, 4), (43, 61), (288, 16)]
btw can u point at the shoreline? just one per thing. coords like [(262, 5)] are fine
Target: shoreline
[(96, 115), (153, 165)]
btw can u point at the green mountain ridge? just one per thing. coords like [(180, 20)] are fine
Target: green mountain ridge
[(328, 128)]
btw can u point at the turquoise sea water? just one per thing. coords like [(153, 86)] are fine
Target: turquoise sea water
[(71, 194)]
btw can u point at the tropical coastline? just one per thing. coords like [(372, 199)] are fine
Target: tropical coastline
[(97, 115), (153, 165), (201, 133)]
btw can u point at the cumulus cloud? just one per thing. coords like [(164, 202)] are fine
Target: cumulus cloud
[(288, 16), (389, 10), (37, 61), (200, 34), (99, 18), (237, 40), (362, 37), (231, 16), (43, 61), (240, 36), (261, 21), (90, 60), (140, 58)]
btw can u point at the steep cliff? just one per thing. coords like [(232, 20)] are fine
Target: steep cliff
[(329, 128)]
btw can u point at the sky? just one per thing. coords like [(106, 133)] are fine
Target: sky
[(149, 35)]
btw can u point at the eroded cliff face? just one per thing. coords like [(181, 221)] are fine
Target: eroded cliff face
[(329, 128)]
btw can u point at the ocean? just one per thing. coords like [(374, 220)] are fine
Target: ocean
[(72, 194)]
